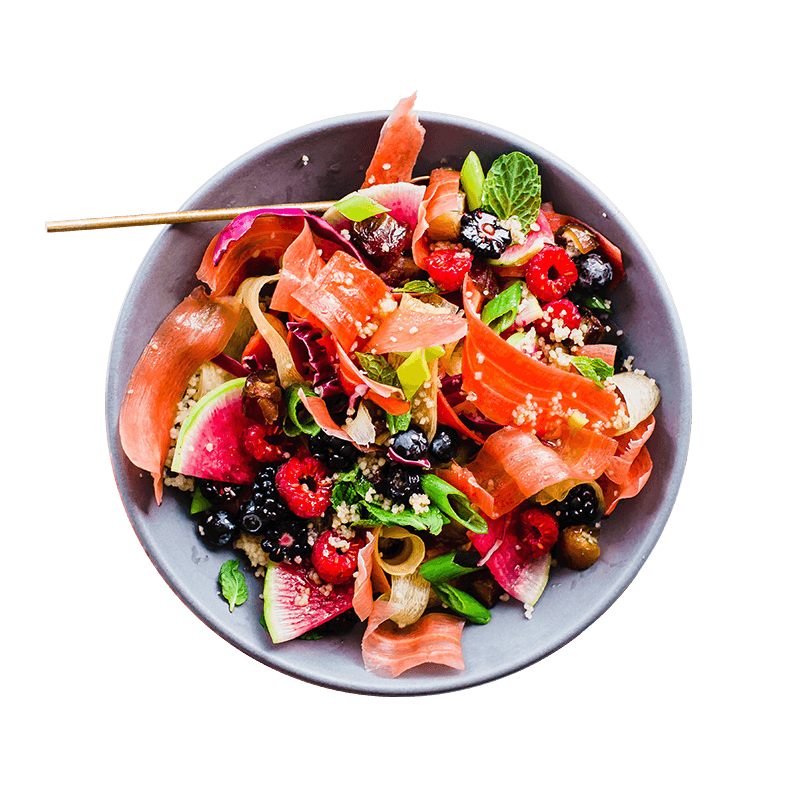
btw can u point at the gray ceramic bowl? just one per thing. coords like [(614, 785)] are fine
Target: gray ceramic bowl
[(338, 152)]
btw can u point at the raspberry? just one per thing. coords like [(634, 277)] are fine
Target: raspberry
[(564, 310), (447, 267), (255, 444), (539, 531), (550, 273), (335, 558), (305, 485)]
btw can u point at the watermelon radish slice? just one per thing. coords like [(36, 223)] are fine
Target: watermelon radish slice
[(209, 443), (518, 254), (294, 604), (522, 577)]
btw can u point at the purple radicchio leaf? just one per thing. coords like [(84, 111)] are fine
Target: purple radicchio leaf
[(422, 462), (236, 368), (451, 389), (478, 422), (325, 374), (241, 224)]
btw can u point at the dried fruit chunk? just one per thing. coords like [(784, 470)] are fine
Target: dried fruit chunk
[(578, 547)]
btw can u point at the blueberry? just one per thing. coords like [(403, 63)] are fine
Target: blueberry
[(217, 528), (251, 518), (337, 454), (445, 445), (411, 445), (400, 482), (595, 273), (482, 233)]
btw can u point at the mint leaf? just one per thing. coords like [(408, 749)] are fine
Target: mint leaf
[(378, 369), (513, 188), (594, 368), (234, 588), (297, 419), (352, 488), (398, 423)]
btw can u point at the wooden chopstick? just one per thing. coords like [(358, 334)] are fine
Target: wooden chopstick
[(173, 217)]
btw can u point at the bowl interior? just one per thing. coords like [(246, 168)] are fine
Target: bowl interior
[(338, 152)]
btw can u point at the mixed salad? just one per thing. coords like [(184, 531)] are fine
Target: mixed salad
[(402, 412)]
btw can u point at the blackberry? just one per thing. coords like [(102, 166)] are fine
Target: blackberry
[(410, 445), (444, 445), (595, 273), (400, 482), (217, 492), (265, 480), (288, 540), (337, 454), (266, 499), (482, 233), (579, 507), (217, 527)]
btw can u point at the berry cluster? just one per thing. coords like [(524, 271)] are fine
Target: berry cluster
[(568, 527)]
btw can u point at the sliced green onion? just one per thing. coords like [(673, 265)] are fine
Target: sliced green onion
[(472, 180), (419, 287), (357, 207), (463, 604), (444, 497), (516, 339), (501, 312), (297, 419)]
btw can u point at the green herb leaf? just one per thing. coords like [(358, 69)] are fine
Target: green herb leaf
[(594, 368), (419, 287), (378, 369), (311, 636), (462, 603), (450, 566), (234, 588), (297, 419), (593, 302), (500, 312), (398, 423), (352, 489), (199, 502), (513, 188), (430, 520), (357, 207)]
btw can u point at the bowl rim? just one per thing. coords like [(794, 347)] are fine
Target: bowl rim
[(626, 571)]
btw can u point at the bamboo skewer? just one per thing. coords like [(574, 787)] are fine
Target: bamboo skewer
[(174, 217)]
